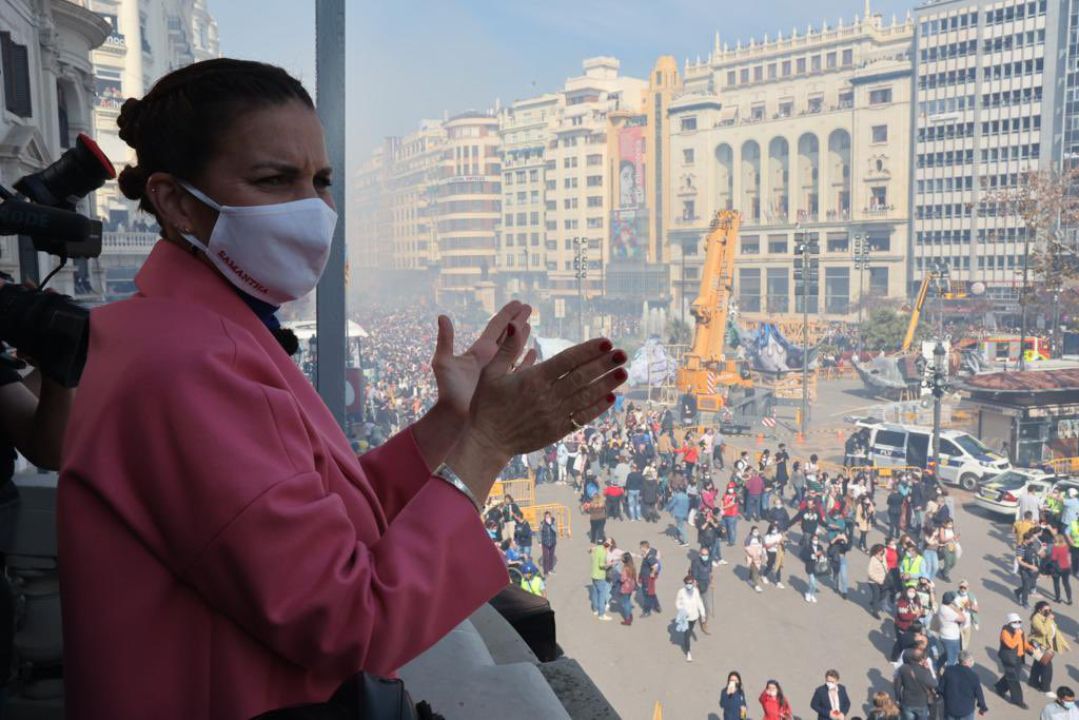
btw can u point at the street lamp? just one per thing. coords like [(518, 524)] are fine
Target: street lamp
[(941, 274), (861, 261), (806, 269), (936, 384), (580, 266)]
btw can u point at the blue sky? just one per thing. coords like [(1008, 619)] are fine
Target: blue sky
[(410, 59)]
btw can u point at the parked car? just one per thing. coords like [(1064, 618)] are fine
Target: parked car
[(1000, 494), (964, 459)]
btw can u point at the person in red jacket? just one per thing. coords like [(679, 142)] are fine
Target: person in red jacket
[(1062, 567), (774, 703)]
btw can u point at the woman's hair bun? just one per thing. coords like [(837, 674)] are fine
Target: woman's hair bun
[(130, 112), (132, 182)]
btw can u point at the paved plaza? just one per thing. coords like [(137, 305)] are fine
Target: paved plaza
[(775, 634)]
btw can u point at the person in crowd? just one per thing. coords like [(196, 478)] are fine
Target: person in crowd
[(690, 609), (708, 535), (915, 685), (205, 484), (968, 603), (908, 610), (1062, 707), (648, 577), (678, 507), (597, 518), (961, 691), (837, 562), (1023, 524), (830, 700), (947, 548), (601, 588), (754, 494), (864, 512), (729, 505), (1012, 654), (1060, 567), (522, 534), (782, 473), (1029, 565), (511, 515), (950, 620), (700, 567), (634, 488), (754, 549), (774, 542), (774, 703), (1046, 642), (884, 708), (798, 483), (548, 542), (614, 495), (816, 561), (732, 698), (878, 579), (531, 580), (627, 587)]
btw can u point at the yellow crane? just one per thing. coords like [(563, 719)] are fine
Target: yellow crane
[(944, 290), (706, 371)]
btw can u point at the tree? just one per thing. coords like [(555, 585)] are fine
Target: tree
[(1047, 203), (884, 329)]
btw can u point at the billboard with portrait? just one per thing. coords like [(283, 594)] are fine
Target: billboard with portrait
[(629, 219)]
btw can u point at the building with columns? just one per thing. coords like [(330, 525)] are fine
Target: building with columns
[(48, 96), (808, 136)]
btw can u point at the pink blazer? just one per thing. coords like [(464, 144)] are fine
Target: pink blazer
[(222, 550)]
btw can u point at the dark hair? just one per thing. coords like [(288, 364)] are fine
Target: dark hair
[(735, 674), (175, 128)]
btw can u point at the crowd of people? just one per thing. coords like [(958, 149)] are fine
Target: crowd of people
[(771, 514)]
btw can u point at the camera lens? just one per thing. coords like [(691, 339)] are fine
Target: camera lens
[(79, 171)]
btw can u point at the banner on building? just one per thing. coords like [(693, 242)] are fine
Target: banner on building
[(629, 221)]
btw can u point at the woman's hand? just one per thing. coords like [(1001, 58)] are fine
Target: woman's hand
[(457, 375)]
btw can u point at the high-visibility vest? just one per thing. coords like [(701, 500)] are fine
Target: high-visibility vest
[(534, 586), (912, 566), (1073, 532)]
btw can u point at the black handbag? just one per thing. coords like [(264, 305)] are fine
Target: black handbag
[(361, 697)]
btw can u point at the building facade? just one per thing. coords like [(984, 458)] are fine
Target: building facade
[(466, 207), (148, 39), (416, 163), (47, 94), (994, 99), (808, 137), (579, 193), (525, 130)]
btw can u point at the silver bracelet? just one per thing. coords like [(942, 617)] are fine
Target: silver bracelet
[(445, 472)]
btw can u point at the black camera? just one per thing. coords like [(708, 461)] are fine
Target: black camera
[(48, 327)]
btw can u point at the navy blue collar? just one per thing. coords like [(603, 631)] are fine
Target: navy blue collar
[(263, 310)]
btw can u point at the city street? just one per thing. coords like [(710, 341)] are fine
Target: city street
[(774, 634)]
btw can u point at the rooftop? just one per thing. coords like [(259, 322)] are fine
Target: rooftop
[(1026, 381)]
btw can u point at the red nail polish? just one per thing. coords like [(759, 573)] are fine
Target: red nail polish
[(610, 397), (620, 375), (618, 358), (605, 346)]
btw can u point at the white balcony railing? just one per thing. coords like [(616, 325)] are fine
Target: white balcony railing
[(128, 243)]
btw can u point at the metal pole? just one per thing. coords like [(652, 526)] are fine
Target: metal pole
[(1023, 304), (806, 274), (330, 298), (938, 393), (682, 279)]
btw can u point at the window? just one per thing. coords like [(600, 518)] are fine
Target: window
[(751, 245), (880, 97), (594, 160), (837, 242), (786, 67), (749, 289), (689, 210), (880, 133), (689, 123), (830, 60), (786, 108), (879, 198), (743, 75), (878, 281), (687, 156), (777, 244), (758, 73), (778, 297), (756, 112), (595, 201), (772, 71), (568, 183), (595, 181), (595, 222), (800, 66), (731, 78), (570, 162), (837, 290), (848, 57), (533, 175), (16, 70), (814, 63), (816, 104), (846, 100)]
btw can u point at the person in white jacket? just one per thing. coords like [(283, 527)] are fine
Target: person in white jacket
[(690, 609)]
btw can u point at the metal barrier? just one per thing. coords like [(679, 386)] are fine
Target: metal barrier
[(522, 490), (1064, 466), (534, 515)]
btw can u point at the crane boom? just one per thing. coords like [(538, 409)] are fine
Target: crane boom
[(705, 369), (916, 312)]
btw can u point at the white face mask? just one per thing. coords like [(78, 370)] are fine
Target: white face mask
[(274, 253)]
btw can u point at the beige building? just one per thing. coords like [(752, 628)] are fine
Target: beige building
[(149, 39), (416, 162), (368, 245), (526, 129), (808, 136), (467, 200), (579, 196)]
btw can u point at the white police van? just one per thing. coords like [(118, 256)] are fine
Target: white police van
[(964, 459)]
